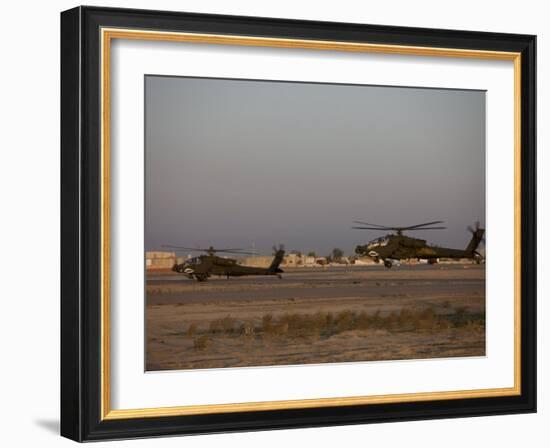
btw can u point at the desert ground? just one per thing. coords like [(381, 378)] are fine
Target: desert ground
[(315, 315)]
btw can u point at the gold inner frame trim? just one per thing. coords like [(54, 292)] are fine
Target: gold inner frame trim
[(107, 35)]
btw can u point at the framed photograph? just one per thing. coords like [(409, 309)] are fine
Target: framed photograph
[(271, 223)]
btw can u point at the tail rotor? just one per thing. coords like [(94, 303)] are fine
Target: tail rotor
[(476, 230), (478, 237), (277, 249), (278, 255)]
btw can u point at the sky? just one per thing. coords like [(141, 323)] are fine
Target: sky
[(242, 163)]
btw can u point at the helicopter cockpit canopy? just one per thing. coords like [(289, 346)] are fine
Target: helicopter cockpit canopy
[(382, 241), (194, 261)]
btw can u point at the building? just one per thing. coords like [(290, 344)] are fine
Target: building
[(292, 260), (289, 260), (159, 260), (257, 261)]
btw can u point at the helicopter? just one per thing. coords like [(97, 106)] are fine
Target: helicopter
[(200, 268), (394, 247)]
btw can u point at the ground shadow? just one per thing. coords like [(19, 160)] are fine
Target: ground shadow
[(49, 425)]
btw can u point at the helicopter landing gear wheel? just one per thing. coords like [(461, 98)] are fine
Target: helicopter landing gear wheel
[(388, 264), (201, 277)]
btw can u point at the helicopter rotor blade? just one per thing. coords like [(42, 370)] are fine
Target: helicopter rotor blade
[(421, 225), (229, 250), (369, 226), (372, 228), (400, 228), (198, 249), (427, 228), (208, 250), (236, 252), (372, 225)]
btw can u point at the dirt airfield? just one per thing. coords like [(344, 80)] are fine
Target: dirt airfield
[(316, 315)]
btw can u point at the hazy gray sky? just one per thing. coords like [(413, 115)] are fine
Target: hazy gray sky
[(231, 162)]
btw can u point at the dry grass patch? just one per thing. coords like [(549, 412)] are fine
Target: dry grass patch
[(323, 325)]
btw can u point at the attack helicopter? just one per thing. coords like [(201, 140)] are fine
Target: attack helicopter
[(200, 268), (394, 247)]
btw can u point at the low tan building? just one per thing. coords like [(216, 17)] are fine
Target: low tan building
[(292, 260), (265, 261), (258, 261), (289, 260), (159, 260)]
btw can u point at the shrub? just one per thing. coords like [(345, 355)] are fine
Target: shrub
[(226, 324), (191, 330), (202, 342), (427, 319), (375, 320), (408, 319), (363, 321), (267, 322), (247, 329), (344, 321)]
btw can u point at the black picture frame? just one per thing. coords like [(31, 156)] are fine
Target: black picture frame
[(81, 224)]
